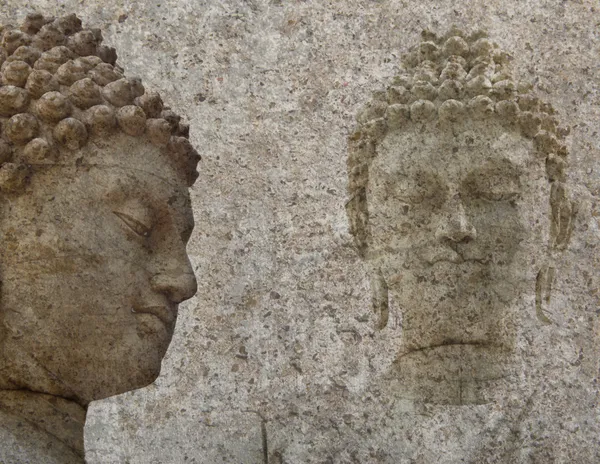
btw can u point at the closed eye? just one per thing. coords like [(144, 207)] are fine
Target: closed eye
[(134, 224), (499, 196), (421, 187), (499, 180)]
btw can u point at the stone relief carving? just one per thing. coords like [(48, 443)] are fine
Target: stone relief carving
[(458, 205), (94, 219)]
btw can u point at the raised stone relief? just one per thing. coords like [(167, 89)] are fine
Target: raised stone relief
[(94, 219), (458, 205)]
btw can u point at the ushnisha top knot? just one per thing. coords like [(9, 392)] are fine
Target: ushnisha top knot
[(59, 87)]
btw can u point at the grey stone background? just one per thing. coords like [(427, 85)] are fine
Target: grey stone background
[(273, 358)]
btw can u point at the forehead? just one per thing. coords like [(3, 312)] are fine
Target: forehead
[(101, 176), (451, 149), (72, 207), (130, 154), (123, 166), (116, 183)]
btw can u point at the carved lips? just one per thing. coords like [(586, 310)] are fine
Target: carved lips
[(165, 313), (451, 253)]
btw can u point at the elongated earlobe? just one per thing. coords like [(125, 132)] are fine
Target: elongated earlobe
[(563, 212), (562, 221), (380, 298), (543, 293)]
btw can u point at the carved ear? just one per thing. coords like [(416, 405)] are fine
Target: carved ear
[(543, 292), (380, 299), (563, 212), (358, 218)]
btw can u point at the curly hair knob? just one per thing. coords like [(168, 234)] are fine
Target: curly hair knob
[(21, 128), (71, 133), (159, 131), (15, 73), (132, 120), (13, 100), (53, 106), (100, 120), (85, 93)]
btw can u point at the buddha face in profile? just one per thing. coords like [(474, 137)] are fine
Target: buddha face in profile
[(95, 216), (456, 203)]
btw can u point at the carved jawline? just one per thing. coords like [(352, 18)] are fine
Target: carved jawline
[(458, 259), (480, 344)]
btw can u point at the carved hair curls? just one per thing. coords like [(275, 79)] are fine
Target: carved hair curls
[(59, 87)]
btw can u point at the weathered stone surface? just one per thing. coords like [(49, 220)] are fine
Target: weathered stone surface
[(283, 320), (93, 264)]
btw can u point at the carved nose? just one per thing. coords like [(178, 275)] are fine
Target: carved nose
[(455, 226), (178, 286)]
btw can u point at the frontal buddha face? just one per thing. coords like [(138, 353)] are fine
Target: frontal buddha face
[(94, 266), (455, 232)]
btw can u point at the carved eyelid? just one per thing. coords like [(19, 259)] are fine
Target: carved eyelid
[(502, 196), (134, 224), (407, 196), (508, 180), (413, 192)]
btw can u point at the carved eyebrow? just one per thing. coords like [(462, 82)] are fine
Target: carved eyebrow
[(500, 166)]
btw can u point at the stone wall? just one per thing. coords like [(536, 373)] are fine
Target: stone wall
[(278, 358)]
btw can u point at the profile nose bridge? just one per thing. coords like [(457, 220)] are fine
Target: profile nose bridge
[(454, 224), (174, 276)]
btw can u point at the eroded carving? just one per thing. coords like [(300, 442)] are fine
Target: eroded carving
[(457, 200), (94, 219)]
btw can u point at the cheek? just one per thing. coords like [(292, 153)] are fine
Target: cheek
[(395, 225), (501, 228), (114, 253)]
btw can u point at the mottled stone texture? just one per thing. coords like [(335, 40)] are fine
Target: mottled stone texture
[(280, 350)]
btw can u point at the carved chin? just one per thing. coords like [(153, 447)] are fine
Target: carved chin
[(138, 370), (454, 373), (143, 376), (148, 370), (147, 376)]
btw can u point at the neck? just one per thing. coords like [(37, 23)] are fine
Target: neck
[(60, 421)]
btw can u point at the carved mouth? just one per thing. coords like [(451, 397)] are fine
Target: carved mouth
[(475, 343), (452, 256), (165, 314), (458, 259)]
